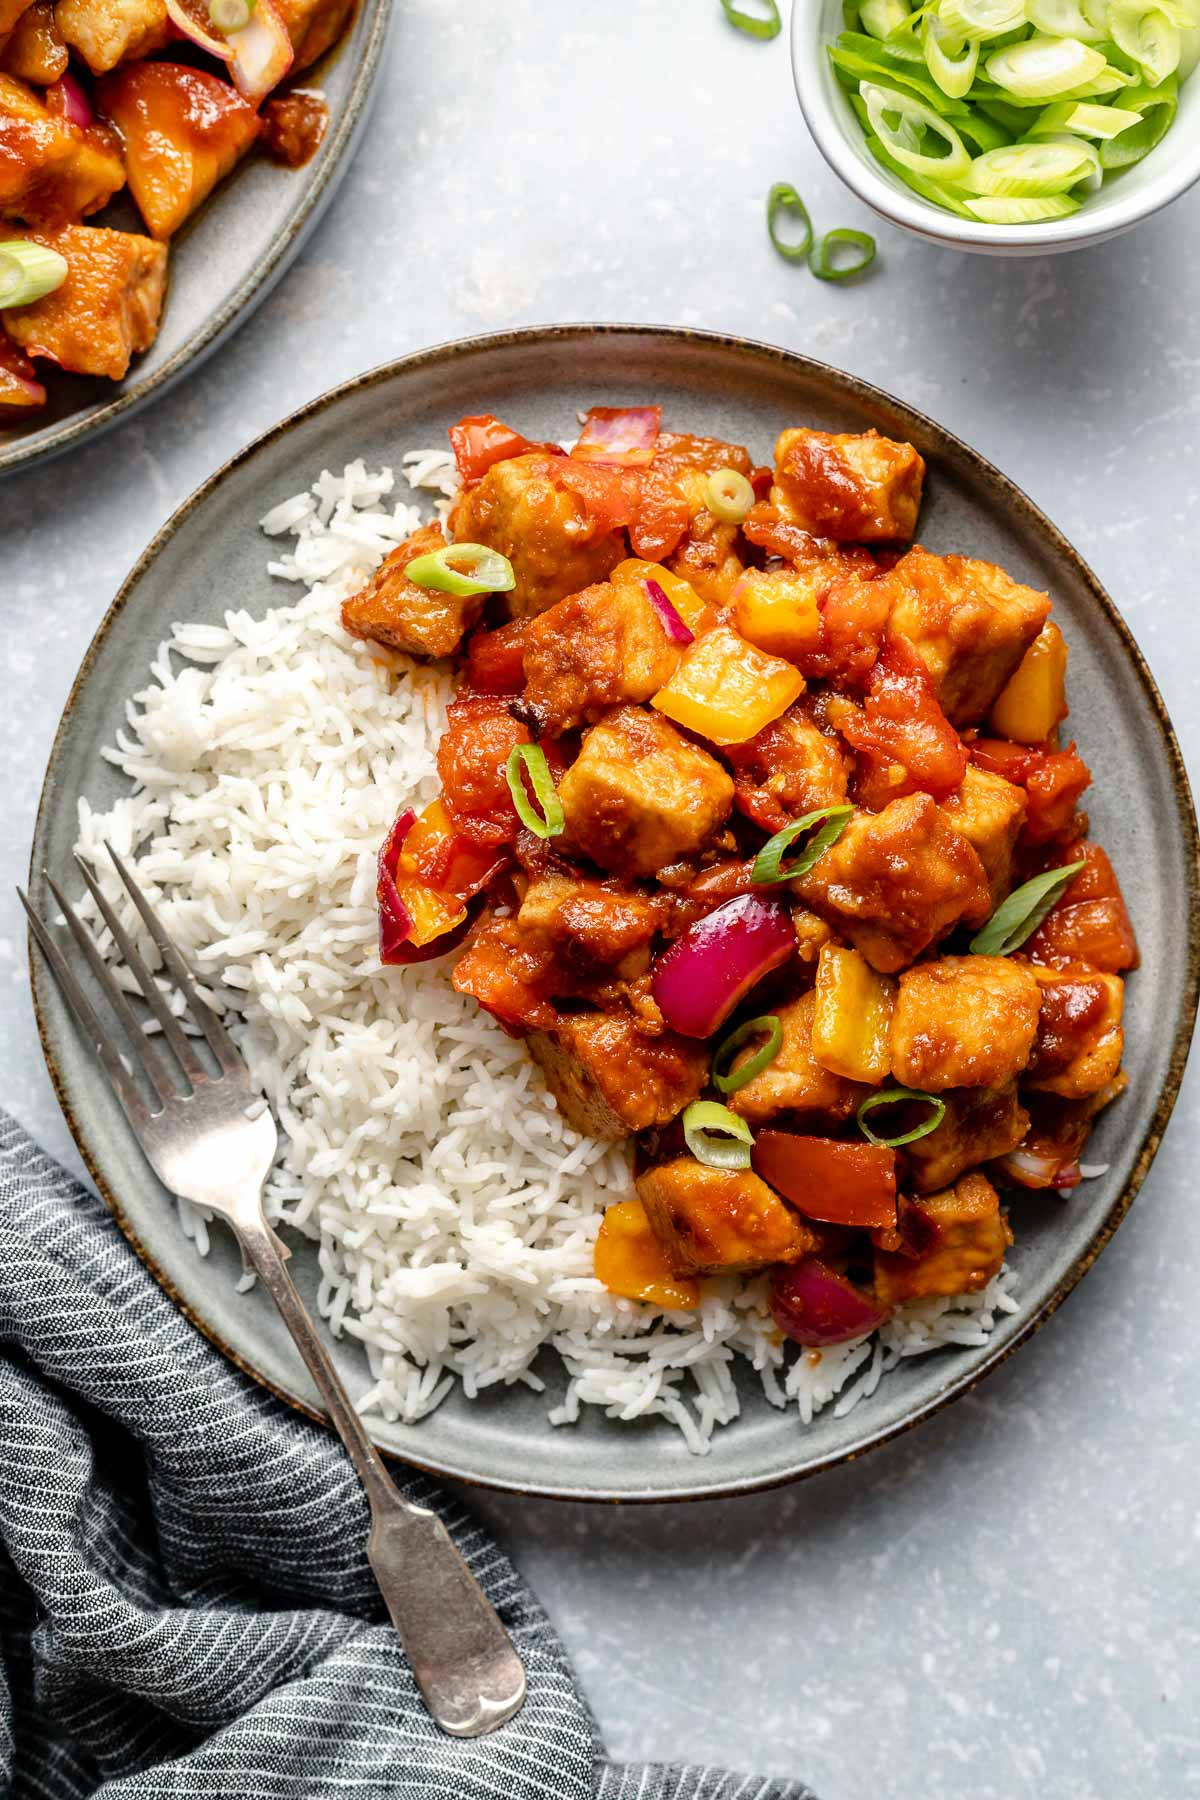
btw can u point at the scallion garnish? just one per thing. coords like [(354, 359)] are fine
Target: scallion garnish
[(463, 569), (717, 1137), (229, 15), (897, 1096), (826, 260), (728, 1080), (769, 866), (783, 198), (766, 24), (29, 272), (528, 762), (729, 496), (1018, 917)]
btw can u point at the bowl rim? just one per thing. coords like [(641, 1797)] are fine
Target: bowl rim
[(966, 1378), (38, 445), (1090, 225)]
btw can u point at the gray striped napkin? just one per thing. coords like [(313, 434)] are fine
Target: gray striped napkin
[(185, 1606)]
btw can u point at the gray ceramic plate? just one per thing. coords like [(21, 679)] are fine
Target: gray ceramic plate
[(225, 261), (212, 554)]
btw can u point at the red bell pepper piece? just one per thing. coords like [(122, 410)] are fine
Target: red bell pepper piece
[(496, 659), (482, 439), (834, 1183), (902, 722), (1090, 923), (1053, 781)]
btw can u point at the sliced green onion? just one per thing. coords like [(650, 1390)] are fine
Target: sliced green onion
[(1157, 107), (1093, 175), (729, 495), (980, 18), (230, 15), (728, 1150), (1045, 68), (946, 196), (1148, 37), (823, 258), (728, 1080), (1018, 917), (1096, 14), (853, 69), (904, 124), (783, 198), (530, 760), (1025, 170), (993, 211), (1084, 119), (768, 864), (896, 1096), (904, 49), (29, 272), (463, 569), (1064, 18), (881, 17), (951, 61), (767, 24)]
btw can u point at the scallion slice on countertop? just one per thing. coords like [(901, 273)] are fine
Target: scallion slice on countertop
[(717, 1137), (727, 1079), (769, 867), (528, 762), (463, 569), (764, 24), (784, 199), (1018, 917), (828, 259), (729, 495), (29, 272), (898, 1096)]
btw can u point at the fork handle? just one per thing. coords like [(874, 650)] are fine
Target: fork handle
[(460, 1654)]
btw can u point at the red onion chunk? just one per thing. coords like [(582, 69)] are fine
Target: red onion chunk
[(615, 434), (705, 973), (395, 920), (262, 52), (192, 21), (814, 1305), (67, 98), (672, 624), (1040, 1168)]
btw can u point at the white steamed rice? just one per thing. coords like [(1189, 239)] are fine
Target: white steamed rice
[(455, 1211)]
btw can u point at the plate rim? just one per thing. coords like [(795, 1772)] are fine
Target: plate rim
[(866, 393), (238, 306)]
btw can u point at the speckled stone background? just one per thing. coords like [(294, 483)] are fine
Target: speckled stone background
[(1003, 1604)]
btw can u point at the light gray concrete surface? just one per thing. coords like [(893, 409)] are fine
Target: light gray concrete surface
[(1004, 1603)]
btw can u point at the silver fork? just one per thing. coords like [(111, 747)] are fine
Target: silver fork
[(212, 1139)]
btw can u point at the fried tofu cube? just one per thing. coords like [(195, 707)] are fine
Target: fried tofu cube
[(853, 1016), (969, 622), (964, 1021), (956, 1242), (709, 556), (183, 131), (555, 547), (610, 1080), (108, 32), (639, 796), (108, 307), (50, 171), (896, 881), (1080, 1038), (592, 651), (789, 768), (795, 1082), (979, 1125), (394, 611), (590, 923), (35, 51), (854, 488), (989, 813), (720, 1221)]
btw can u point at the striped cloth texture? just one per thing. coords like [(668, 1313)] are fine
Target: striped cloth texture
[(186, 1608)]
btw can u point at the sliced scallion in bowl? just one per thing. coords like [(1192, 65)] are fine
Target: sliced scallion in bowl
[(1012, 111)]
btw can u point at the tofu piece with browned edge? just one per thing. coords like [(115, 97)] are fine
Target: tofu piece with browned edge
[(956, 1242), (108, 32), (896, 881), (979, 1125), (964, 1021), (969, 622), (394, 611), (51, 172), (989, 812), (590, 924), (1080, 1038), (542, 527), (595, 650), (640, 796), (720, 1221), (609, 1080), (856, 488), (795, 1081), (106, 310)]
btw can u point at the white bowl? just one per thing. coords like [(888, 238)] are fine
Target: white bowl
[(1168, 171)]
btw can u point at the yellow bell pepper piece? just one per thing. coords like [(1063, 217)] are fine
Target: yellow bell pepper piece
[(629, 1260), (852, 1019), (696, 614), (778, 610), (1034, 703), (727, 690)]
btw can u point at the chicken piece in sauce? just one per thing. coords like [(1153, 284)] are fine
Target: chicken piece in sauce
[(979, 1125), (597, 649), (856, 489), (554, 544), (1080, 1040), (964, 1021), (989, 812), (795, 1082), (610, 1080), (36, 51), (591, 924), (790, 768), (394, 611), (954, 1243), (721, 1221), (107, 308), (182, 131), (108, 32), (672, 490), (51, 171)]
